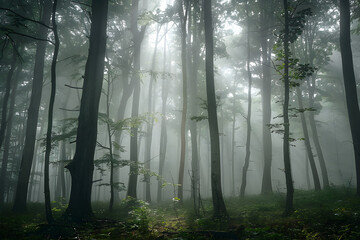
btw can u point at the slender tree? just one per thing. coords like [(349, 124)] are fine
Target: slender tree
[(82, 166), (217, 197), (350, 84), (48, 212), (248, 117), (5, 157), (138, 36), (286, 144), (307, 141), (183, 19), (266, 19), (33, 112), (163, 135), (6, 97), (150, 124)]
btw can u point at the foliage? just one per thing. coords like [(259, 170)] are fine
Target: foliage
[(333, 213)]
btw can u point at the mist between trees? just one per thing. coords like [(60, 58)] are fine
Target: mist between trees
[(172, 100)]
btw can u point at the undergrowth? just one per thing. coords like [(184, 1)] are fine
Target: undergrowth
[(333, 213)]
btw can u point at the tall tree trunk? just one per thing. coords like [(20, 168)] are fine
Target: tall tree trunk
[(163, 135), (109, 132), (183, 19), (193, 77), (4, 164), (137, 38), (248, 118), (233, 142), (315, 134), (307, 142), (217, 197), (286, 144), (150, 124), (6, 97), (126, 94), (82, 166), (350, 84), (48, 212), (266, 187), (33, 113)]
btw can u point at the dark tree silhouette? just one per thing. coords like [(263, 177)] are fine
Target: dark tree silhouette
[(33, 113), (350, 84), (217, 197), (82, 166)]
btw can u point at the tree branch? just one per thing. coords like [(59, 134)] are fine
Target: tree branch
[(25, 18)]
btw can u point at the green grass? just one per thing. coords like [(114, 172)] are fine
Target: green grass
[(333, 213)]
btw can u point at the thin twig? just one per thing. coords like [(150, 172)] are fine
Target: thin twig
[(66, 85)]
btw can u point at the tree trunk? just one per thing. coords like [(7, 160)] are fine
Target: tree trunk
[(137, 38), (350, 84), (183, 19), (307, 142), (48, 212), (193, 77), (248, 118), (286, 144), (6, 97), (163, 135), (109, 132), (150, 124), (217, 197), (266, 187), (233, 142), (33, 113), (315, 135), (4, 164), (82, 166)]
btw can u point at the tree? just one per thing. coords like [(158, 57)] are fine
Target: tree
[(10, 120), (248, 117), (48, 212), (163, 135), (286, 143), (82, 166), (307, 140), (138, 37), (266, 19), (350, 84), (183, 19), (217, 197), (33, 112), (6, 97)]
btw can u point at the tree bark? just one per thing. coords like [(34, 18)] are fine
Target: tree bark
[(4, 164), (33, 113), (248, 118), (137, 38), (217, 197), (48, 212), (163, 135), (350, 84), (193, 77), (286, 144), (307, 142), (150, 124), (6, 97), (266, 187), (315, 135), (183, 19), (82, 166)]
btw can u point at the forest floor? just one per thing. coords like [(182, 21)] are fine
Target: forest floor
[(330, 214)]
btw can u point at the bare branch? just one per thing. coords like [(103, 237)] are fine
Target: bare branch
[(66, 85)]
